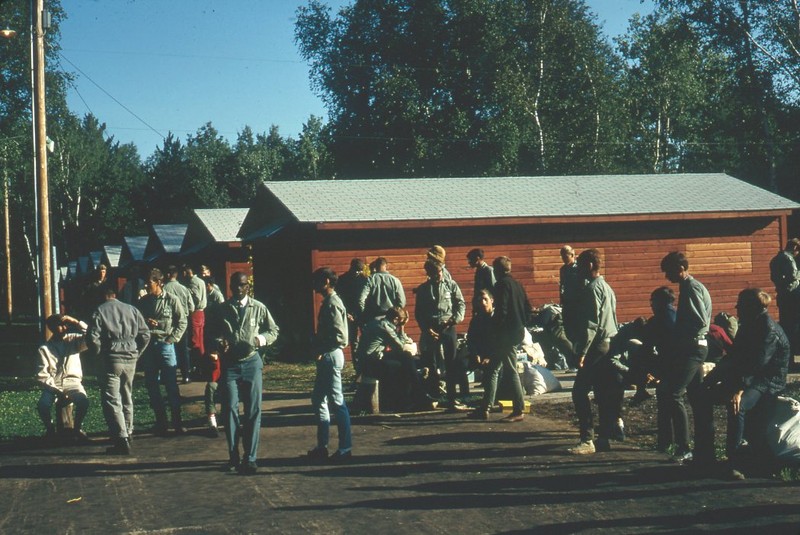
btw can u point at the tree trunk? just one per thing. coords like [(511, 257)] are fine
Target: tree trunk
[(596, 113), (542, 20)]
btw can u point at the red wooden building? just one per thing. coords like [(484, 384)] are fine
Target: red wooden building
[(211, 240), (729, 230)]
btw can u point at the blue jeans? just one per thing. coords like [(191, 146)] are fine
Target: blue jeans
[(750, 422), (49, 397), (751, 398), (160, 365), (242, 381), (328, 388)]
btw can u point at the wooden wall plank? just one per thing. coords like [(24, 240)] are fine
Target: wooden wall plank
[(726, 255)]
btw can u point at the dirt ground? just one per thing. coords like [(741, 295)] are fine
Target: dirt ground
[(422, 473)]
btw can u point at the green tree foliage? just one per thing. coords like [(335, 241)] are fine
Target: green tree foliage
[(463, 87), (670, 80), (167, 192), (209, 156), (265, 157), (754, 124), (312, 157), (15, 65), (16, 147), (94, 182), (256, 158)]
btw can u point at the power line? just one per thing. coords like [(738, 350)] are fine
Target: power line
[(74, 86), (187, 56), (109, 95)]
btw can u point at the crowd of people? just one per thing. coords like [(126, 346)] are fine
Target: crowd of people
[(175, 324), (184, 322)]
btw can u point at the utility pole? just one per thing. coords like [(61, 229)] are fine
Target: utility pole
[(39, 25)]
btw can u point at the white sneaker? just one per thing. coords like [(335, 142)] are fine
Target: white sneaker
[(584, 448), (212, 420)]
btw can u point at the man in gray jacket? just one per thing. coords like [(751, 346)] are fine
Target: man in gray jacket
[(244, 325), (167, 320), (786, 277), (382, 292), (597, 325), (197, 318), (328, 345), (439, 308), (184, 296), (118, 334)]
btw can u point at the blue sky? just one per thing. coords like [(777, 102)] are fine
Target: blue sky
[(178, 64)]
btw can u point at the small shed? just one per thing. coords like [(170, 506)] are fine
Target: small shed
[(95, 258), (111, 256), (211, 239), (728, 228), (132, 252), (164, 244), (130, 268)]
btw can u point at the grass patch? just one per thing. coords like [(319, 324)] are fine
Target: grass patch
[(289, 377), (20, 418), (298, 377), (20, 395)]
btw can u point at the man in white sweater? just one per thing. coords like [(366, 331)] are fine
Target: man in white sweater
[(60, 373)]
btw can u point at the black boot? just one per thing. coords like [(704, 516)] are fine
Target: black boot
[(121, 447), (177, 421)]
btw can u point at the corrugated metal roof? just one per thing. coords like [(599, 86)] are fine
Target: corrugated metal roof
[(496, 197), (136, 246), (222, 223), (170, 236)]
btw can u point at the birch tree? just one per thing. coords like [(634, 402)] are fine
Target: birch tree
[(470, 87)]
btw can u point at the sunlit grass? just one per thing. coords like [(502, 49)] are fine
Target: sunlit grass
[(20, 395), (294, 377), (20, 418)]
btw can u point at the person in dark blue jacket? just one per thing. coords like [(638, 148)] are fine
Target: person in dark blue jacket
[(747, 380)]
